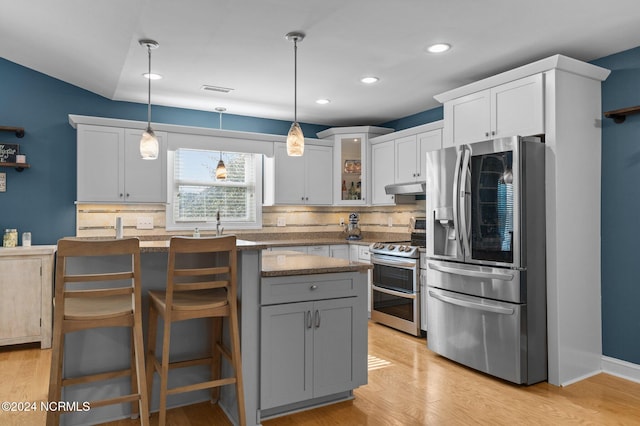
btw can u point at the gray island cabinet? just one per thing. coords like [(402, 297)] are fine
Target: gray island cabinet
[(287, 365), (313, 333)]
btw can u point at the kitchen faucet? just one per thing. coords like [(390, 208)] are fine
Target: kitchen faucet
[(219, 230)]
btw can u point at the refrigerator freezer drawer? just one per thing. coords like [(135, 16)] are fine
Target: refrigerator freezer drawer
[(482, 281), (483, 334)]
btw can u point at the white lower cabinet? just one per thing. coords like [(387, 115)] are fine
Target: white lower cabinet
[(360, 253), (340, 251), (26, 295)]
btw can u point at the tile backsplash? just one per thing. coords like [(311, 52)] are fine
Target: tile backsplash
[(98, 220)]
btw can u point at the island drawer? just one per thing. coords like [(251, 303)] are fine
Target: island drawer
[(302, 288)]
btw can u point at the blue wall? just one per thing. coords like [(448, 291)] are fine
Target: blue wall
[(41, 199), (621, 209)]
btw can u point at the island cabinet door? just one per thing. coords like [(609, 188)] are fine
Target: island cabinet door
[(285, 354), (333, 346)]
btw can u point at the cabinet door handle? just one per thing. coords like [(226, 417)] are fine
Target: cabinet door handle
[(121, 194), (493, 133), (486, 134), (308, 319), (128, 195), (313, 287), (317, 318)]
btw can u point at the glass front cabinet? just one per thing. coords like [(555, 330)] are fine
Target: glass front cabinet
[(351, 162)]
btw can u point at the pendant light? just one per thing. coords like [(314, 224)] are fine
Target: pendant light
[(149, 141), (295, 138), (221, 170)]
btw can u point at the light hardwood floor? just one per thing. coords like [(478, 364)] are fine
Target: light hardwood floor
[(408, 385)]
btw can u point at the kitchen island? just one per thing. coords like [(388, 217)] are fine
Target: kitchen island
[(289, 276)]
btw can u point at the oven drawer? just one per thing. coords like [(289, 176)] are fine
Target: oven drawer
[(480, 333), (301, 288)]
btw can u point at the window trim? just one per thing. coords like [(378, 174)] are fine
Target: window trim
[(170, 223)]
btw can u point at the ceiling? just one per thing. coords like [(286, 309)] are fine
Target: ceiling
[(240, 44)]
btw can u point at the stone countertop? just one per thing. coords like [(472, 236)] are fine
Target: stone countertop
[(283, 263), (162, 246)]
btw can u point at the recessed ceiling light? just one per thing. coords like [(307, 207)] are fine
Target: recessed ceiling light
[(323, 101), (438, 48), (369, 80), (152, 76)]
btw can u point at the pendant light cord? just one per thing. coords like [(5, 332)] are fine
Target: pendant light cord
[(149, 89), (295, 80)]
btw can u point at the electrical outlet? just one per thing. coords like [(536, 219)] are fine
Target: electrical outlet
[(281, 221), (342, 221), (3, 182), (389, 221), (144, 222)]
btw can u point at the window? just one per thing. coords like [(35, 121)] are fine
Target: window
[(196, 196)]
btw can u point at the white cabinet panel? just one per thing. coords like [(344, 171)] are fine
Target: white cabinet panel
[(382, 160), (109, 167), (514, 108), (306, 179), (411, 153), (26, 285)]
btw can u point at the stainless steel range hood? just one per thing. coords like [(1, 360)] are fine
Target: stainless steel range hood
[(409, 188)]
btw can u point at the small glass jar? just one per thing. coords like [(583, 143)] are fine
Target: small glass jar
[(26, 239), (10, 238)]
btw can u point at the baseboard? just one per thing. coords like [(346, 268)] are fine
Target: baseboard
[(622, 369)]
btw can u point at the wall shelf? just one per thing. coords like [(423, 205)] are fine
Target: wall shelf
[(619, 115), (19, 131), (18, 166)]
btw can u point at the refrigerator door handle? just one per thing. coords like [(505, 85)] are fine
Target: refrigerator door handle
[(462, 198), (456, 195), (471, 305), (468, 273)]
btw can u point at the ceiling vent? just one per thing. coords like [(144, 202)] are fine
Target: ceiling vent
[(218, 89)]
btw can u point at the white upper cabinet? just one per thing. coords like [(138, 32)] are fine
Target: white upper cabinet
[(304, 180), (110, 168), (351, 162), (514, 108), (410, 155), (382, 172)]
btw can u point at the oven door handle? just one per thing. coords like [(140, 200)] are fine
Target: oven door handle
[(471, 305), (394, 264), (394, 292), (467, 273)]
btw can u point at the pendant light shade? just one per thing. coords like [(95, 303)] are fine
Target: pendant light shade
[(149, 141), (295, 138), (221, 170)]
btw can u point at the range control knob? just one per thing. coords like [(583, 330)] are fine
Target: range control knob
[(391, 247)]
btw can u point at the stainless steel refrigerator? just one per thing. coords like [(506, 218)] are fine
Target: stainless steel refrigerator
[(486, 277)]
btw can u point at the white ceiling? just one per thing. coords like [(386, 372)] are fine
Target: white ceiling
[(240, 44)]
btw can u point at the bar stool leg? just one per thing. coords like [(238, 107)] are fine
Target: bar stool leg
[(151, 350), (164, 371), (237, 361), (216, 355), (55, 378)]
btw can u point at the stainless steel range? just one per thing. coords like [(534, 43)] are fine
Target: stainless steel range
[(395, 288)]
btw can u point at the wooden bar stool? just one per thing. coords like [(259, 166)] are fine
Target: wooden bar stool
[(99, 299), (201, 283)]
